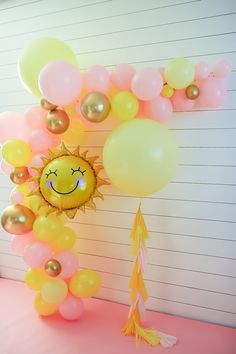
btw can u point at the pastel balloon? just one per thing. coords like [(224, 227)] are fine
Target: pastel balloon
[(60, 82), (222, 69), (36, 161), (124, 105), (6, 168), (212, 92), (17, 197), (181, 102), (65, 240), (36, 55), (35, 117), (37, 254), (202, 70), (35, 278), (69, 263), (42, 307), (97, 79), (48, 228), (160, 109), (13, 125), (140, 156), (71, 308), (147, 84), (54, 291), (19, 244), (39, 141), (85, 283), (17, 219), (179, 73), (122, 75), (16, 152)]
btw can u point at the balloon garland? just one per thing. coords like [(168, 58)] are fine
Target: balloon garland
[(54, 181)]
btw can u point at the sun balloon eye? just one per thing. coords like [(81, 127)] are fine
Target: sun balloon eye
[(78, 170), (51, 173)]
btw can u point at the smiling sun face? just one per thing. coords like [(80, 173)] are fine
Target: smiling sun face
[(68, 182)]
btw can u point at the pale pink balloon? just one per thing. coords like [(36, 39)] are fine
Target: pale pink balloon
[(69, 263), (40, 141), (13, 126), (71, 308), (35, 162), (181, 102), (6, 168), (37, 254), (32, 185), (36, 117), (212, 93), (147, 84), (122, 75), (97, 79), (160, 109), (202, 70), (20, 242), (222, 69), (60, 82), (17, 197)]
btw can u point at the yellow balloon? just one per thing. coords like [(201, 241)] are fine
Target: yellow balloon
[(124, 105), (179, 73), (54, 291), (66, 239), (48, 228), (35, 278), (42, 307), (140, 156), (36, 55), (85, 283), (75, 134), (167, 91), (16, 152)]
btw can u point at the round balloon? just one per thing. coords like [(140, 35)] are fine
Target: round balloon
[(140, 156), (179, 73)]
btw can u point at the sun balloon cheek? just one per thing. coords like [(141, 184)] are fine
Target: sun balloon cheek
[(49, 183), (81, 183)]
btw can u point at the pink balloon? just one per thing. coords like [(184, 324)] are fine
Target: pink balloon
[(12, 126), (202, 70), (97, 79), (159, 109), (19, 243), (181, 102), (32, 185), (6, 168), (71, 308), (122, 75), (212, 92), (35, 162), (17, 197), (60, 82), (69, 263), (147, 84), (40, 141), (222, 69), (37, 254), (36, 117)]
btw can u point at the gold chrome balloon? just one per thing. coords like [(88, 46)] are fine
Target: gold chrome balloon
[(192, 92), (19, 175), (52, 268), (47, 105), (17, 219), (95, 107), (57, 121)]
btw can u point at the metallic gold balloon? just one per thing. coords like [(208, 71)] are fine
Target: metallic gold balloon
[(52, 267), (95, 107), (19, 175), (47, 105), (17, 219), (167, 91), (57, 121), (192, 92)]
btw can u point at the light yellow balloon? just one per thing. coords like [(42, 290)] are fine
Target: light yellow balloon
[(66, 239), (140, 156), (75, 134), (54, 291), (16, 152), (42, 307), (35, 278), (124, 105), (48, 228), (85, 283), (36, 55), (179, 73)]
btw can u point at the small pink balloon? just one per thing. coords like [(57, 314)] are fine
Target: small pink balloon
[(212, 92), (40, 141), (122, 75), (181, 102), (222, 69), (97, 79), (36, 117), (32, 185), (71, 308), (6, 168), (69, 263), (35, 162), (17, 197), (160, 109), (19, 243), (60, 82), (202, 70), (147, 84), (37, 254), (13, 126)]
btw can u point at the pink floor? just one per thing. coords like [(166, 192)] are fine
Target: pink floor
[(22, 331)]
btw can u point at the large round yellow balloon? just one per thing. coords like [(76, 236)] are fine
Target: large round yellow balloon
[(48, 228), (65, 240), (16, 152), (36, 55), (124, 105), (54, 291), (179, 73), (35, 278), (42, 307), (140, 156), (85, 283)]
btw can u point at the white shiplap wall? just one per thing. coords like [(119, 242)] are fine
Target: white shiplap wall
[(192, 247)]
